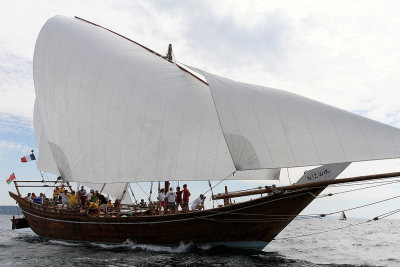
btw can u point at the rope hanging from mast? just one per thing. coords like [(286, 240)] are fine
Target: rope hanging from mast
[(151, 191)]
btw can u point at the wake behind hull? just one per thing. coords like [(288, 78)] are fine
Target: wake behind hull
[(253, 223)]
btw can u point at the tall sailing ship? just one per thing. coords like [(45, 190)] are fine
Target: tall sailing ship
[(110, 111)]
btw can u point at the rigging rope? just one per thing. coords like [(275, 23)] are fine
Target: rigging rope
[(143, 190), (362, 206), (382, 183), (151, 191), (385, 215)]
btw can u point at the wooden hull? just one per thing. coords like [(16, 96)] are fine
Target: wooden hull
[(252, 223)]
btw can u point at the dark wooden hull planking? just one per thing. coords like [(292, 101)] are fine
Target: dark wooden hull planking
[(256, 221)]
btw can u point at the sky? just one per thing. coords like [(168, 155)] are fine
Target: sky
[(342, 53)]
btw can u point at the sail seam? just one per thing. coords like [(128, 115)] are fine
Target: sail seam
[(54, 95), (91, 116), (180, 135), (219, 120), (338, 136), (125, 118), (108, 111), (259, 124), (309, 130), (198, 141), (365, 138), (66, 90), (162, 130), (284, 127), (149, 90)]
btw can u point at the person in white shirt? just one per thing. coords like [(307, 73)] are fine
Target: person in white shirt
[(64, 199), (170, 196), (161, 198), (198, 203)]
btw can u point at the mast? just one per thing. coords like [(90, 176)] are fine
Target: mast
[(169, 53)]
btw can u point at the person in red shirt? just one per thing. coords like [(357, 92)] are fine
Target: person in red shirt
[(186, 195), (178, 199)]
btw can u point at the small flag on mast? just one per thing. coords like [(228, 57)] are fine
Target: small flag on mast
[(28, 158), (12, 178)]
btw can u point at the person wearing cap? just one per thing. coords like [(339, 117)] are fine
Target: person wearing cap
[(198, 203)]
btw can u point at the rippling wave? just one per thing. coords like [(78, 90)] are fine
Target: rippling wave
[(375, 244)]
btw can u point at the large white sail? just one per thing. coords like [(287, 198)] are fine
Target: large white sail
[(271, 128), (113, 112)]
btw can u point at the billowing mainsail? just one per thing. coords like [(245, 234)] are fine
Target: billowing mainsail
[(113, 112)]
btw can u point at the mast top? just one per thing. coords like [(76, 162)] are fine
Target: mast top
[(169, 53)]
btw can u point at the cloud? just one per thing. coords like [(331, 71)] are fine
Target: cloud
[(17, 147), (10, 123), (16, 85)]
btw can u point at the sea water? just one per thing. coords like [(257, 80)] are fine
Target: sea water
[(306, 242)]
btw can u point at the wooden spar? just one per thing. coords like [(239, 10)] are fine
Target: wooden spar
[(148, 49), (306, 185), (70, 187), (166, 187), (34, 181), (16, 187), (45, 185)]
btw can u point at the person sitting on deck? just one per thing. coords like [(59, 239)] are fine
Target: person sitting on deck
[(45, 199), (186, 195), (101, 198), (198, 203), (72, 199), (56, 193), (64, 199), (93, 196), (38, 200), (170, 197), (93, 208), (28, 197), (102, 201), (89, 196), (117, 205), (161, 198), (142, 204), (178, 199), (109, 205)]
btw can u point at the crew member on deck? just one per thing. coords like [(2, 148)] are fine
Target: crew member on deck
[(82, 196), (56, 193), (186, 195), (64, 199), (178, 199), (72, 199), (93, 208), (198, 203), (170, 197), (161, 198)]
